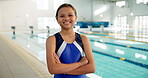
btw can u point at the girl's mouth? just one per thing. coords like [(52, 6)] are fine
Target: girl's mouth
[(66, 22)]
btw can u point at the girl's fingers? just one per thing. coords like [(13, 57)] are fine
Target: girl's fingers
[(56, 58), (84, 60)]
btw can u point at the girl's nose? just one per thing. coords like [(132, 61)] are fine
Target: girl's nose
[(66, 18)]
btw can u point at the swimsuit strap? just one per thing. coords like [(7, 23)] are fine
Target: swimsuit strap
[(59, 41), (78, 39)]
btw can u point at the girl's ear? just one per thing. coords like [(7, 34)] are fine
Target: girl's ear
[(57, 20), (76, 17)]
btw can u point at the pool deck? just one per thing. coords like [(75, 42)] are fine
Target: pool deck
[(18, 64)]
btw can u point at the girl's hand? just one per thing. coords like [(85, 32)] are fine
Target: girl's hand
[(84, 60), (56, 58)]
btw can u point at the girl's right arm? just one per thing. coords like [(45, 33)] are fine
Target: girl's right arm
[(54, 66)]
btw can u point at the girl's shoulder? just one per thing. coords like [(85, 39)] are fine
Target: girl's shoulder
[(50, 38), (84, 37)]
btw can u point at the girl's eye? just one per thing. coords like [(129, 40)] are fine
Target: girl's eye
[(70, 15), (62, 16)]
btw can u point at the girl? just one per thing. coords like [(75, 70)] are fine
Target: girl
[(69, 54)]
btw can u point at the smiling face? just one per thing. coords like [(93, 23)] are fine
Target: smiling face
[(66, 17)]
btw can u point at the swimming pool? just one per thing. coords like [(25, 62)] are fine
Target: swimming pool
[(113, 58)]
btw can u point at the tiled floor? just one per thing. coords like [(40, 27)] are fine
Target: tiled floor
[(17, 64)]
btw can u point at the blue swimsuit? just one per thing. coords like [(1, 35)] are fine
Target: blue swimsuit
[(69, 53)]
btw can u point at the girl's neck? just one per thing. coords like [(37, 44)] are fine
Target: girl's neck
[(67, 32), (68, 36)]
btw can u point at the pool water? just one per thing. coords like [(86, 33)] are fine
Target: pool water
[(107, 54)]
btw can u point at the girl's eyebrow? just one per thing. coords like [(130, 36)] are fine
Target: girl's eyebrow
[(61, 14), (64, 14), (70, 13)]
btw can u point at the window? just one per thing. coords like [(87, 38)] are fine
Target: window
[(57, 3), (42, 4), (121, 26), (43, 22), (141, 28), (100, 10)]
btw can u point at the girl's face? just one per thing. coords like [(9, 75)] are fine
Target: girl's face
[(66, 18)]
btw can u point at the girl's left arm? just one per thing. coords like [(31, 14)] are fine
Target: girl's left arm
[(90, 66)]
